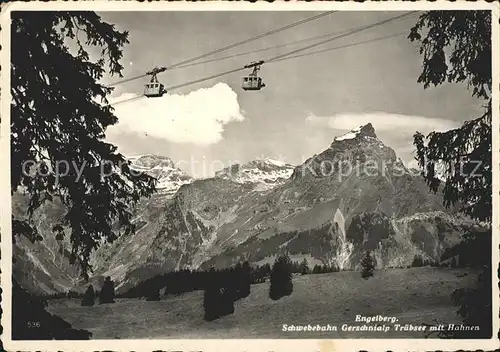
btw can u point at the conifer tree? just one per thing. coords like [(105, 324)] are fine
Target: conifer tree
[(89, 297), (226, 299), (367, 265), (211, 302), (304, 267), (56, 117), (417, 261), (246, 279), (212, 296), (281, 278), (107, 293), (316, 269), (464, 153)]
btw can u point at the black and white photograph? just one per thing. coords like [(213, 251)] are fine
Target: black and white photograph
[(245, 173)]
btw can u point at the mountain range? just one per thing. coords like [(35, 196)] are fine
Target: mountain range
[(355, 195)]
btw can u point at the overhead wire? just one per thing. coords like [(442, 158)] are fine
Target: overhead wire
[(252, 51), (354, 31), (205, 78), (246, 41), (271, 47), (342, 46), (286, 56), (184, 84), (278, 60)]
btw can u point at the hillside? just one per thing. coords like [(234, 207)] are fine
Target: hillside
[(413, 296), (44, 266)]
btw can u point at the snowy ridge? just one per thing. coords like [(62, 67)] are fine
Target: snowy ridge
[(170, 178), (263, 173), (349, 135)]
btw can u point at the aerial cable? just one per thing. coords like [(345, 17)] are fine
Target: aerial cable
[(129, 100), (278, 60), (342, 46), (255, 51), (253, 38), (269, 48), (354, 31), (185, 84), (206, 78), (284, 56), (233, 45)]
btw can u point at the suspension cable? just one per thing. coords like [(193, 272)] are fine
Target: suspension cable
[(286, 56), (251, 39)]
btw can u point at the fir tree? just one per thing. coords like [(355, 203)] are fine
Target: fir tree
[(211, 302), (464, 153), (281, 278), (55, 117), (417, 261), (367, 266), (226, 301), (245, 280), (316, 269), (304, 267), (107, 293), (212, 298), (89, 297)]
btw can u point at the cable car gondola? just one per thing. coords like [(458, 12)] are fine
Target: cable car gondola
[(154, 88), (253, 81)]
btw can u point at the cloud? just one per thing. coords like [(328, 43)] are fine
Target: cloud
[(383, 122), (198, 117)]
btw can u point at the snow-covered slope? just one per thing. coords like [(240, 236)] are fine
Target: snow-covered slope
[(264, 173), (349, 135), (170, 177)]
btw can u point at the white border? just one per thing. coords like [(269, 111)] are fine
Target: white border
[(303, 345)]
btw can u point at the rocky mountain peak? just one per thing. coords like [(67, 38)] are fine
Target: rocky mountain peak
[(265, 173), (357, 147), (150, 161), (359, 132), (367, 130), (164, 169)]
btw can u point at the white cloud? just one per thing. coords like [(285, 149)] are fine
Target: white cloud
[(198, 117), (383, 122)]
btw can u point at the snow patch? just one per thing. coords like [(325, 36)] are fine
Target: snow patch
[(275, 162), (349, 135), (264, 174), (169, 177)]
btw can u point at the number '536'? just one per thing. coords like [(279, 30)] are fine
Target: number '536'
[(33, 324)]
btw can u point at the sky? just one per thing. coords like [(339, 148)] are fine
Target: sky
[(307, 101)]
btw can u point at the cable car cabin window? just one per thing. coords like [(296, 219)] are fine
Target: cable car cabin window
[(153, 89), (251, 83)]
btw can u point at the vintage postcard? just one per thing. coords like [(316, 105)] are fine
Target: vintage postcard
[(207, 176)]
